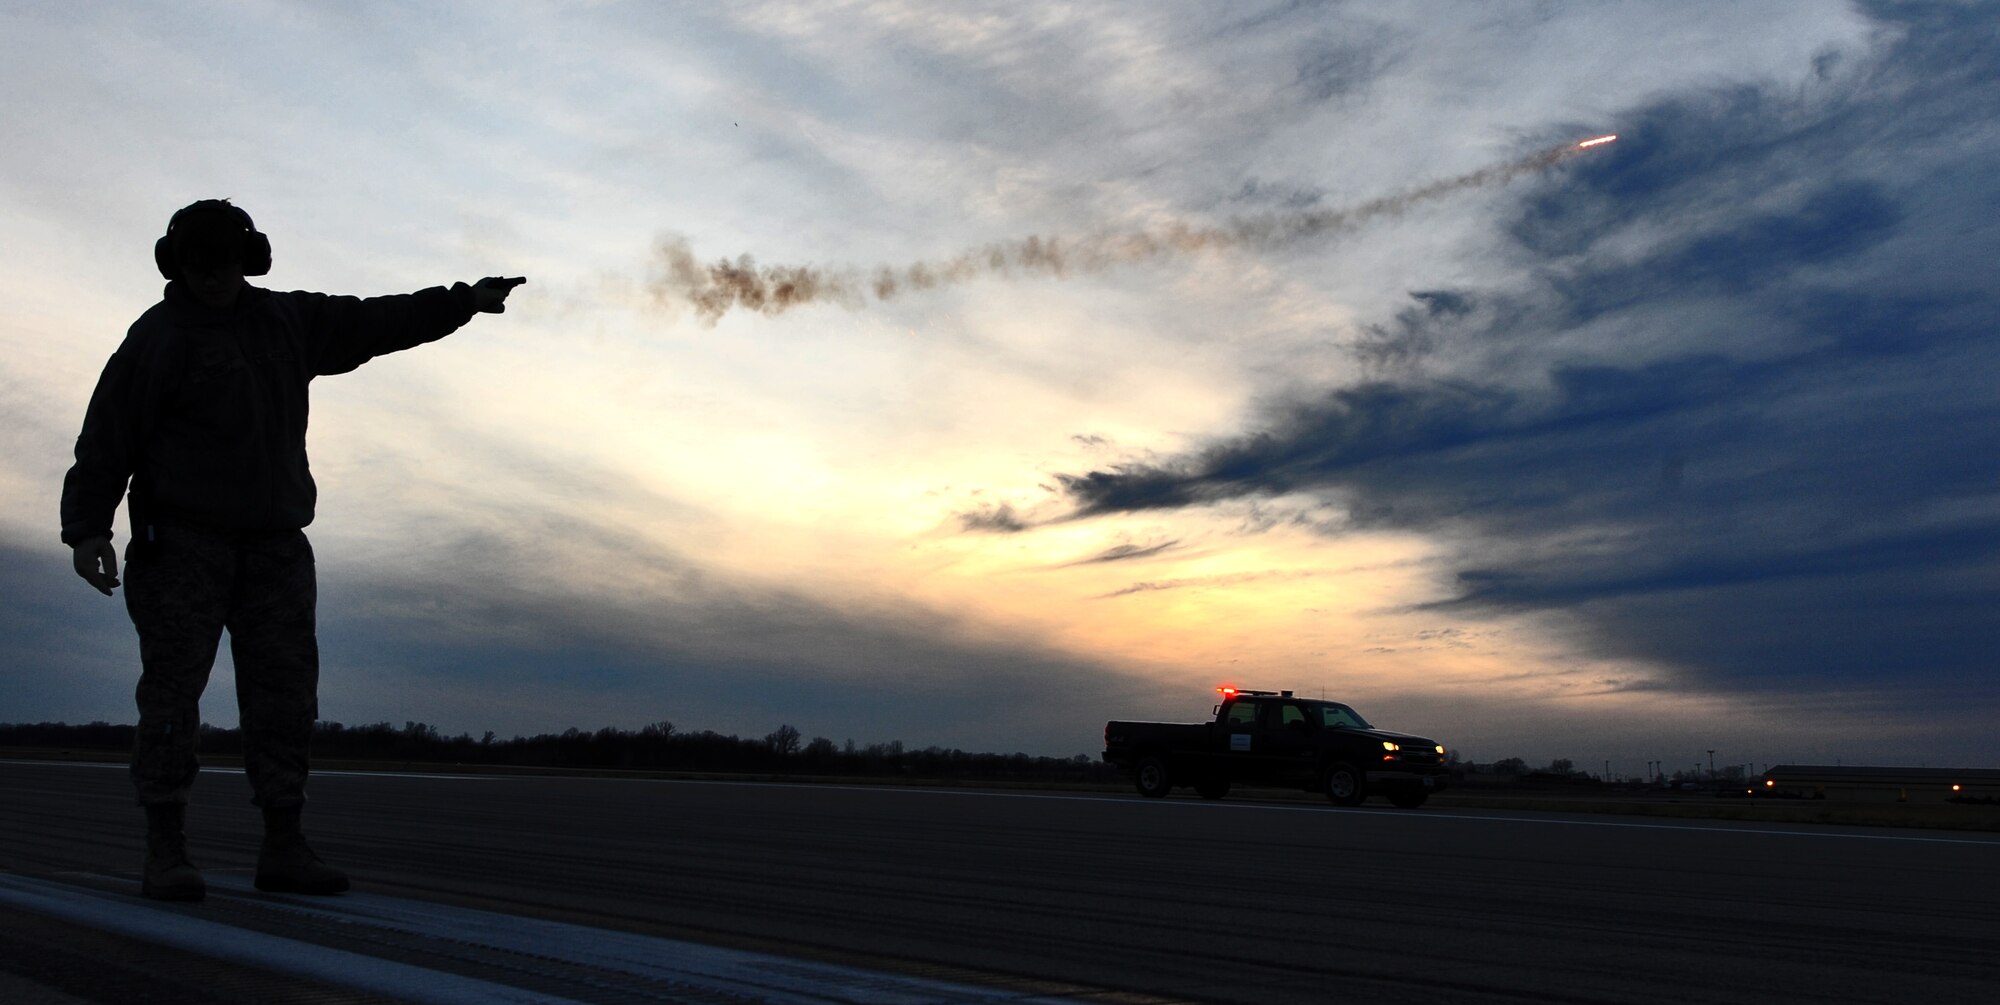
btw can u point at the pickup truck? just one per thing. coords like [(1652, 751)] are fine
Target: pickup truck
[(1276, 738)]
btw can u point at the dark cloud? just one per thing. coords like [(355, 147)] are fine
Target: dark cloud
[(483, 638), (1333, 70), (70, 652), (711, 654), (1739, 416), (1306, 446), (1001, 519), (1263, 194), (1743, 256), (1416, 332), (1333, 53)]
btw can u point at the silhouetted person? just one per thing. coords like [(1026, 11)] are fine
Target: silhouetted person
[(203, 410)]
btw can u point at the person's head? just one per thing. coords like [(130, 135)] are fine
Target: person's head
[(210, 246)]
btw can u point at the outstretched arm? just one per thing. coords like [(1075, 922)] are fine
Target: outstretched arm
[(345, 332)]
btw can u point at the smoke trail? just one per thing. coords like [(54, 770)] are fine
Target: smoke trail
[(713, 289)]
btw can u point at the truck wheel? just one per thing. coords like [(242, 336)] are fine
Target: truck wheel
[(1409, 799), (1212, 788), (1152, 777), (1345, 784)]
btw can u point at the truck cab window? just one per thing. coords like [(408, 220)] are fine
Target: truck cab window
[(1243, 713), (1294, 717)]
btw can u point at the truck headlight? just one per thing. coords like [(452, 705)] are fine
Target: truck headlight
[(1386, 745)]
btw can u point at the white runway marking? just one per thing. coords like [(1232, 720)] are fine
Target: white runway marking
[(130, 917), (667, 970)]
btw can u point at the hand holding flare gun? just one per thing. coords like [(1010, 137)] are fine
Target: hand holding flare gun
[(490, 294)]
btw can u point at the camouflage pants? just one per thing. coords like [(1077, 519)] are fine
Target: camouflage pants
[(182, 588)]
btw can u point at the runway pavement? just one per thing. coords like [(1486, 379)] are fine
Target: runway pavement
[(594, 890)]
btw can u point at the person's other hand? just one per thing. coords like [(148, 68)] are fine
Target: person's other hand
[(97, 562), (490, 294)]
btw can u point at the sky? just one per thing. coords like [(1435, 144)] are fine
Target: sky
[(1685, 443)]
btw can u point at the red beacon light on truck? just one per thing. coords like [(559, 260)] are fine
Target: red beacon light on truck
[(1231, 693)]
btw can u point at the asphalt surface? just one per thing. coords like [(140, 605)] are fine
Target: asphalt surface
[(1046, 897)]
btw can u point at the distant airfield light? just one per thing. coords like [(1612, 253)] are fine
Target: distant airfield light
[(1598, 142)]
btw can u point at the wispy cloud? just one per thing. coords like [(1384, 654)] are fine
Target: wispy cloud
[(1736, 421), (1700, 410), (1126, 553), (1205, 582)]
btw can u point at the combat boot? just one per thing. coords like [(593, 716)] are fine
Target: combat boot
[(286, 864), (169, 875)]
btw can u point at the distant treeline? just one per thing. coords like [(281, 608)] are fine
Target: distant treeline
[(658, 746)]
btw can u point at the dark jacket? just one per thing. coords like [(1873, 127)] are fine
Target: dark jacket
[(204, 411)]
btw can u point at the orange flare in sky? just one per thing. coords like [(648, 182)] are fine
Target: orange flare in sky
[(1601, 140)]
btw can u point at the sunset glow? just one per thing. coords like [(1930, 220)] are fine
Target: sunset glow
[(1296, 349)]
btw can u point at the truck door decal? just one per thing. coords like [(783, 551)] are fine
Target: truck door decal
[(1239, 741)]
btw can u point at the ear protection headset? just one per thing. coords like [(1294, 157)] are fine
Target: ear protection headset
[(256, 247)]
